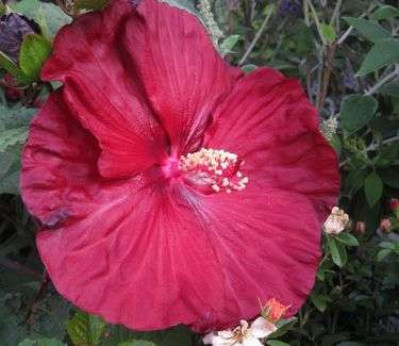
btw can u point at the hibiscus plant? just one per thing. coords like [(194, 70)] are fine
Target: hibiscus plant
[(199, 172)]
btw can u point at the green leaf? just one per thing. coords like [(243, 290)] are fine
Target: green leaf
[(45, 13), (373, 187), (11, 137), (228, 44), (35, 50), (41, 342), (14, 123), (368, 28), (328, 32), (137, 343), (284, 326), (347, 239), (186, 5), (356, 112), (355, 179), (319, 301), (3, 9), (85, 329), (385, 12), (382, 254), (383, 53), (387, 245), (338, 252), (177, 336), (388, 155), (7, 64), (91, 4), (390, 89), (276, 343), (249, 68)]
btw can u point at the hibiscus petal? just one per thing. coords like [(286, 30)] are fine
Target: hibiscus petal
[(118, 249), (269, 123), (267, 244), (182, 73), (104, 93), (124, 250)]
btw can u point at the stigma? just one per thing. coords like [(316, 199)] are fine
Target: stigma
[(216, 170)]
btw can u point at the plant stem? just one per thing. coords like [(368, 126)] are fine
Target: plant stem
[(381, 82), (350, 29), (329, 52), (372, 147), (257, 37)]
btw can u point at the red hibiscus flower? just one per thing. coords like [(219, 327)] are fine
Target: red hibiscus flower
[(171, 187)]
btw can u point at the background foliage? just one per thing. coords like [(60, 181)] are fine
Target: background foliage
[(346, 53)]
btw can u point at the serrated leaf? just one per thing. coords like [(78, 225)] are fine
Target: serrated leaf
[(368, 28), (347, 239), (338, 252), (328, 32), (85, 329), (12, 137), (35, 50), (373, 187), (383, 53), (228, 44), (356, 112), (385, 12)]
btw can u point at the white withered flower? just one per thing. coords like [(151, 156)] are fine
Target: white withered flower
[(242, 335), (336, 222)]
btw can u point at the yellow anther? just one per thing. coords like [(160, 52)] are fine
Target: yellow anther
[(217, 169)]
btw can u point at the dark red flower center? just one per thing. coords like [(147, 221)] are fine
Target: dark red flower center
[(208, 170)]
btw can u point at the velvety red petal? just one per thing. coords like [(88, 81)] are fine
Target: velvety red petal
[(182, 73), (267, 244), (101, 88), (125, 250), (145, 244), (269, 123)]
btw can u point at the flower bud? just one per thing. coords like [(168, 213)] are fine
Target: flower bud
[(360, 227), (13, 28), (10, 85), (336, 222), (273, 310), (394, 204), (385, 225)]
